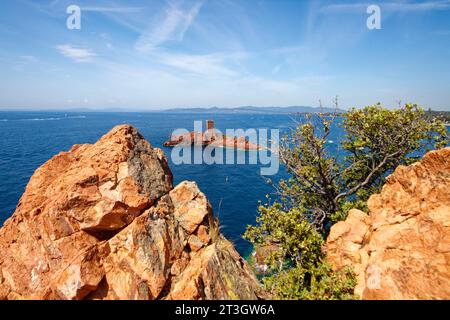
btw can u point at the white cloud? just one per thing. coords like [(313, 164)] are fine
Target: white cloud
[(389, 6), (174, 24), (76, 54), (144, 89), (424, 6), (212, 65)]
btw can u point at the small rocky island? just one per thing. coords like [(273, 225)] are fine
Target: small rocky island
[(211, 137), (103, 221)]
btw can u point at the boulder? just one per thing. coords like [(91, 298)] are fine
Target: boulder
[(401, 248), (103, 221)]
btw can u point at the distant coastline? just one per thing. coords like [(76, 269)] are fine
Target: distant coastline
[(256, 110), (290, 110), (203, 110)]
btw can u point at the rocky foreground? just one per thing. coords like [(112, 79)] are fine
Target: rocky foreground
[(401, 249), (103, 221)]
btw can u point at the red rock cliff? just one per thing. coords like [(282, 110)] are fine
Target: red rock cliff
[(103, 221), (401, 249)]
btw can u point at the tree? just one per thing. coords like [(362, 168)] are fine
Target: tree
[(323, 187)]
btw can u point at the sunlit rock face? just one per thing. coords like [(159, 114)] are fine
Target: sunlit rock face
[(103, 221), (401, 249)]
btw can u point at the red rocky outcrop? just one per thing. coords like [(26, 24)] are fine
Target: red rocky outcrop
[(401, 249), (103, 221)]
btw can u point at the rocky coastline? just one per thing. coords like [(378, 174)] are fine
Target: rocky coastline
[(103, 221)]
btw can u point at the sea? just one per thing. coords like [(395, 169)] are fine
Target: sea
[(29, 139)]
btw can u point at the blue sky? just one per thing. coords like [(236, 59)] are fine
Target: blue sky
[(145, 55)]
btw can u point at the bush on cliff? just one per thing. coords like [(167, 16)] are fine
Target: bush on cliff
[(323, 188)]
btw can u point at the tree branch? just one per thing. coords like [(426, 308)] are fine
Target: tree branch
[(367, 180)]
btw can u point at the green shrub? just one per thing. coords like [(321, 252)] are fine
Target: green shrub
[(316, 283), (323, 188)]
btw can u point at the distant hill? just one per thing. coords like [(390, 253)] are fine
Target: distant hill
[(444, 115), (254, 110), (212, 110)]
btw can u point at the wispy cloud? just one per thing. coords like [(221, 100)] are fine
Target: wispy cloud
[(344, 7), (112, 9), (277, 69), (390, 6), (28, 59), (76, 54), (442, 33), (213, 65), (175, 22), (23, 62)]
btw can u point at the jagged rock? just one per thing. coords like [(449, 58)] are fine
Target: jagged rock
[(401, 249), (103, 221)]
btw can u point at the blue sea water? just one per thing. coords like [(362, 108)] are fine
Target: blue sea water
[(29, 139)]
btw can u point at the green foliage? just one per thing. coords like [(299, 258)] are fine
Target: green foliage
[(298, 241), (323, 188), (378, 140), (317, 283)]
